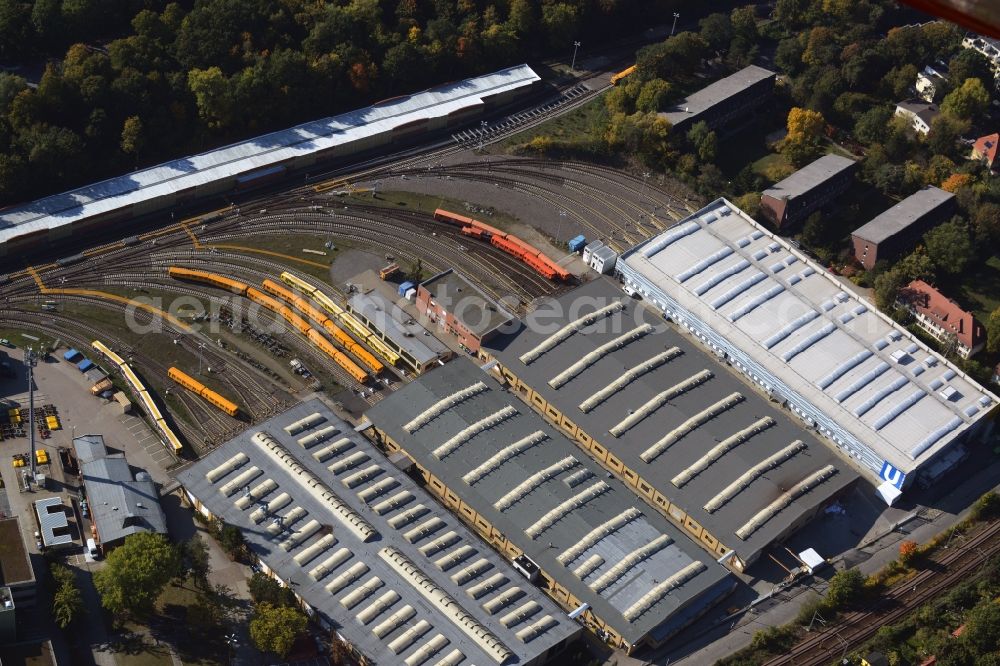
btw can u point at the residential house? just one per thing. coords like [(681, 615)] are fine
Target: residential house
[(942, 318), (985, 149), (930, 81), (919, 113)]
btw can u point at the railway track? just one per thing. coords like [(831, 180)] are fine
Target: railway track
[(953, 565)]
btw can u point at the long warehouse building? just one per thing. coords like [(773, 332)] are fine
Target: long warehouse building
[(670, 420), (864, 382), (258, 160), (624, 571), (370, 553)]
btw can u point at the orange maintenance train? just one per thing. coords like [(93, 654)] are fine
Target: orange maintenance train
[(199, 389), (509, 243)]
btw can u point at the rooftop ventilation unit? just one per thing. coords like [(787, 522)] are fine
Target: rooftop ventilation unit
[(503, 455), (599, 353), (786, 498), (560, 511), (658, 401), (474, 429), (443, 405), (615, 573), (721, 449), (661, 590), (569, 329), (748, 477), (597, 534), (533, 481), (628, 377), (308, 422), (702, 417)]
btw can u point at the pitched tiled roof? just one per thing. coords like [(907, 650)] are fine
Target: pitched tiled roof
[(931, 303), (986, 147)]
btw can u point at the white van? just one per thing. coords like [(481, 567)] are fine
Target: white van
[(92, 548)]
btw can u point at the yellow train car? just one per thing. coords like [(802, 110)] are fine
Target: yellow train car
[(339, 357), (297, 283), (295, 320), (112, 357), (615, 78), (327, 303), (373, 341), (169, 436), (192, 275), (199, 389)]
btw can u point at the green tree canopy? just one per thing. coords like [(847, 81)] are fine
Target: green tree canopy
[(968, 101), (274, 629), (949, 247), (846, 588), (135, 573)]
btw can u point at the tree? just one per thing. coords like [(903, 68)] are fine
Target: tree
[(561, 22), (949, 246), (703, 140), (845, 589), (968, 101), (955, 182), (744, 23), (135, 573), (215, 102), (938, 169), (821, 47), (274, 629), (132, 136), (67, 600), (717, 31), (969, 64), (887, 286), (982, 627), (749, 203), (194, 553), (993, 332), (802, 143), (987, 507), (652, 96), (231, 540), (907, 551), (870, 127), (266, 590)]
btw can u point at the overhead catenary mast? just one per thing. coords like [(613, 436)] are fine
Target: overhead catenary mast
[(29, 361)]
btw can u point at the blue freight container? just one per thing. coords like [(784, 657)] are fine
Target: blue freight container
[(84, 365), (576, 244), (405, 287), (71, 354)]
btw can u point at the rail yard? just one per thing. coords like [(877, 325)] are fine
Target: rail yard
[(287, 283), (245, 366)]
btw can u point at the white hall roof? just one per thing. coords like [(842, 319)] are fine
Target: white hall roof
[(825, 343)]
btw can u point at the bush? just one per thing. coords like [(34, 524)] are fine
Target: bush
[(774, 639), (986, 507), (908, 550), (846, 589), (266, 590)]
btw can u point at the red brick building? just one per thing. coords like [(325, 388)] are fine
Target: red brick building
[(896, 230), (459, 308), (790, 201)]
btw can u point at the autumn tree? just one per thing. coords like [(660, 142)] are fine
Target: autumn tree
[(703, 140), (907, 551), (803, 142), (955, 181)]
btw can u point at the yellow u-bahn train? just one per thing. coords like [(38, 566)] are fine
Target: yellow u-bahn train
[(139, 389), (618, 76)]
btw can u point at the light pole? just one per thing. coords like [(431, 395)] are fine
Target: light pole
[(232, 643), (29, 362), (572, 67), (645, 177), (482, 137), (676, 16), (201, 345), (562, 216)]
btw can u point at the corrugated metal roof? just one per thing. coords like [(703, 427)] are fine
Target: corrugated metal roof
[(413, 338), (260, 152), (120, 505), (52, 518)]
